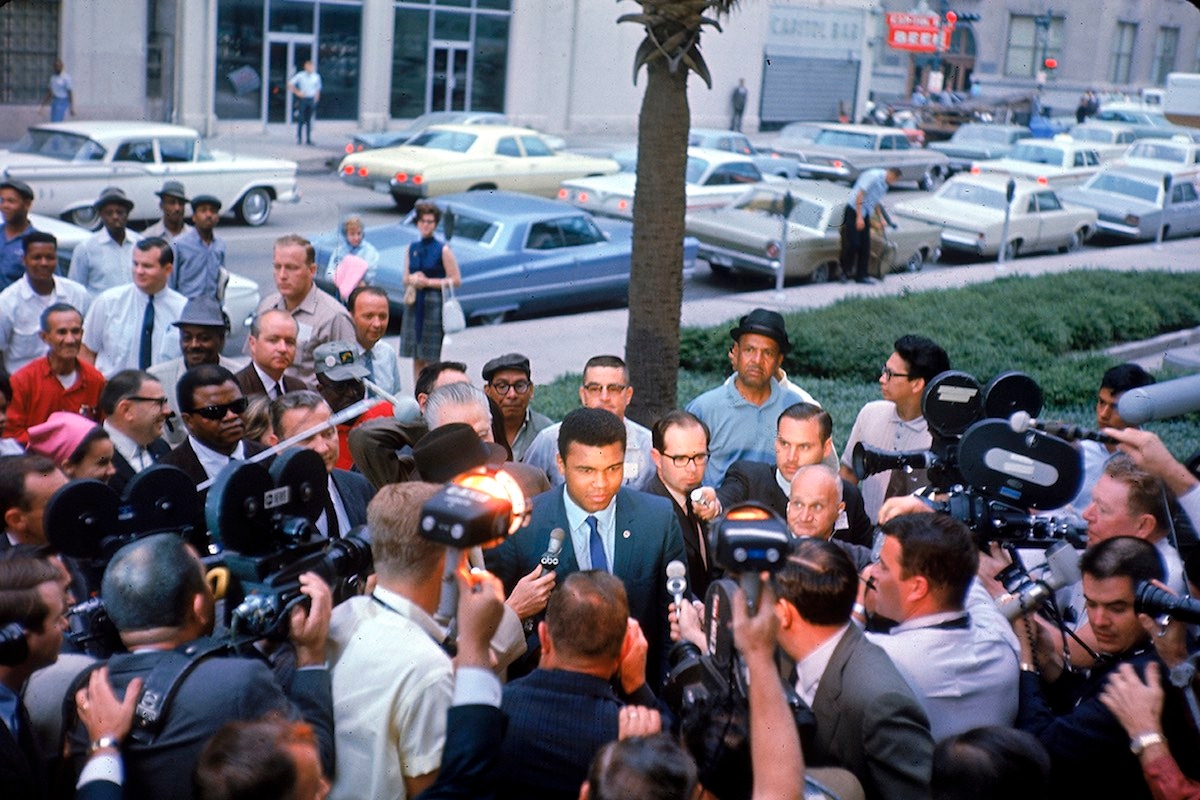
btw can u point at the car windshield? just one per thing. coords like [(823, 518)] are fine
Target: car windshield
[(466, 226), (854, 141), (60, 145), (454, 141), (696, 167), (1159, 152), (1098, 135), (1037, 154), (973, 193), (980, 133), (1126, 185), (806, 213)]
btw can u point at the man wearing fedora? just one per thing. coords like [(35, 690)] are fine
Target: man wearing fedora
[(199, 252), (742, 412), (16, 198), (173, 200), (102, 262), (129, 325)]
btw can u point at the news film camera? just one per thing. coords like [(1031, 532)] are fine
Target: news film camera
[(708, 689)]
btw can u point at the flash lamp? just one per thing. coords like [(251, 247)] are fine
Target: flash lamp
[(479, 507)]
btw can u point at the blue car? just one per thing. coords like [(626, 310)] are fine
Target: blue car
[(519, 255)]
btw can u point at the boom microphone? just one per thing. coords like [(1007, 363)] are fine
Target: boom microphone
[(1160, 400), (677, 582), (1021, 422), (549, 559)]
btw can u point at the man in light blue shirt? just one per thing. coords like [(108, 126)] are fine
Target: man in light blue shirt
[(306, 86), (868, 190)]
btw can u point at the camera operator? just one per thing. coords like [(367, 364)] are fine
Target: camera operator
[(156, 595), (1090, 753), (953, 647), (867, 718)]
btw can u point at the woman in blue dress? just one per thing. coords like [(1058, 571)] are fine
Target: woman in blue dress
[(429, 266)]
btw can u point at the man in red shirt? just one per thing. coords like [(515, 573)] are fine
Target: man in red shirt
[(59, 381)]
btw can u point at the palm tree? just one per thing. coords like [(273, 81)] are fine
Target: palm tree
[(669, 52)]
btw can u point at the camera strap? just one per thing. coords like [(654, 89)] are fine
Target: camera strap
[(163, 682)]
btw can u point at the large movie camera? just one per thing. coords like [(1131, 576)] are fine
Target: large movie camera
[(708, 689), (264, 522), (992, 469)]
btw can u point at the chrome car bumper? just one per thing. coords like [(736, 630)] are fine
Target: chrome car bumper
[(736, 259)]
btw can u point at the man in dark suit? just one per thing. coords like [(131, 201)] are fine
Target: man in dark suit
[(27, 483), (135, 407), (804, 435), (272, 346), (211, 404), (629, 533), (680, 453), (349, 492), (868, 720)]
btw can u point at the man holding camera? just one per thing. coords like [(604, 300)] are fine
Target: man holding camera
[(156, 595)]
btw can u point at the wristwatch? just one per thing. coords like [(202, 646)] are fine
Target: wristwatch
[(1140, 743), (103, 743)]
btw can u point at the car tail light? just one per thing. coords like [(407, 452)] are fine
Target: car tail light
[(1042, 180), (975, 170), (772, 250), (350, 148), (362, 172), (1132, 219), (837, 164), (348, 169), (418, 179), (401, 177), (622, 205), (584, 197), (563, 194)]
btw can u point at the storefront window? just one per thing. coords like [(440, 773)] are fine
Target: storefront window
[(239, 59), (409, 64), (338, 60), (491, 55), (292, 16)]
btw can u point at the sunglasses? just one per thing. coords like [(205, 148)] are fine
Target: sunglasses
[(218, 412)]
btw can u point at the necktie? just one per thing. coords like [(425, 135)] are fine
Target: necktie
[(596, 545), (276, 391), (144, 355), (369, 363), (331, 520)]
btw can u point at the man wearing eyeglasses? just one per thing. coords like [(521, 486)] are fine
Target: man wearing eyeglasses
[(508, 384), (211, 403), (135, 407), (680, 454), (606, 386), (896, 423)]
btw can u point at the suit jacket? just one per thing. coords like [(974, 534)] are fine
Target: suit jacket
[(125, 471), (185, 458), (99, 790), (647, 539), (473, 737), (252, 385), (750, 480), (22, 771), (869, 722), (356, 492), (699, 575)]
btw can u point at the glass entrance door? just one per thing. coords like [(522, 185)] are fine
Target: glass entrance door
[(449, 76), (285, 57)]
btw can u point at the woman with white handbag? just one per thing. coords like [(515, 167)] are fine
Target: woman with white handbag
[(429, 269)]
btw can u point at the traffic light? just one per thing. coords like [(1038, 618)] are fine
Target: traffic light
[(1050, 63)]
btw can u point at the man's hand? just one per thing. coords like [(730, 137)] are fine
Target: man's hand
[(532, 592), (686, 623), (707, 507), (101, 713), (632, 668), (991, 564), (755, 636), (638, 721), (308, 628), (902, 504), (1136, 705), (480, 607)]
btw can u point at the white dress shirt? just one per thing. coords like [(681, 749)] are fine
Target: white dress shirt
[(581, 532), (21, 318), (113, 328)]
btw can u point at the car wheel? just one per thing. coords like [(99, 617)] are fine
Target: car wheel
[(254, 209), (1012, 250), (1075, 243), (86, 217), (820, 274), (720, 270), (932, 179), (915, 262)]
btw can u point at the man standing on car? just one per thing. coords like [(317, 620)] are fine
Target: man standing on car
[(868, 190)]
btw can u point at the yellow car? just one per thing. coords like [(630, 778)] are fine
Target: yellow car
[(461, 158)]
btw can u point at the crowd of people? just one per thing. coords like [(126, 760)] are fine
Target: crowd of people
[(883, 659)]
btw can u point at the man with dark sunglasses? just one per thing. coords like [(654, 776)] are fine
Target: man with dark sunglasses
[(211, 405)]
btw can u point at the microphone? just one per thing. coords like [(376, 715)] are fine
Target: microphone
[(1160, 400), (677, 582), (1021, 422), (549, 559)]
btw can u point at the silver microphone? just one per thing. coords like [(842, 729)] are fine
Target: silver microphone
[(1021, 422), (549, 559), (677, 582)]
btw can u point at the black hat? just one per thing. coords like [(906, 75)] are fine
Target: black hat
[(765, 323), (203, 311), (506, 361), (173, 189), (453, 449), (20, 187), (113, 195), (205, 200)]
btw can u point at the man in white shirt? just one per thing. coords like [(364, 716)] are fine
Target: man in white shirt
[(102, 261), (306, 86), (129, 326), (22, 303), (368, 307)]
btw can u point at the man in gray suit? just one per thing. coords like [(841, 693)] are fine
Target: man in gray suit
[(868, 720)]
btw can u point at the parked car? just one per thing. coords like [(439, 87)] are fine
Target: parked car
[(239, 298), (518, 255), (1134, 202), (373, 141), (1060, 161), (69, 163), (842, 152), (458, 158), (1178, 155), (970, 209), (769, 161), (746, 236), (714, 179), (975, 141), (1111, 139)]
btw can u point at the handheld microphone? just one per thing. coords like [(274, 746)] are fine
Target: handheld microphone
[(677, 582), (1021, 422), (549, 559)]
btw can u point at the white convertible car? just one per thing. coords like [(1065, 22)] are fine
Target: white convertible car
[(69, 163)]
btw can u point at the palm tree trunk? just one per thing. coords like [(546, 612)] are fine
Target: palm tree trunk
[(656, 272)]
